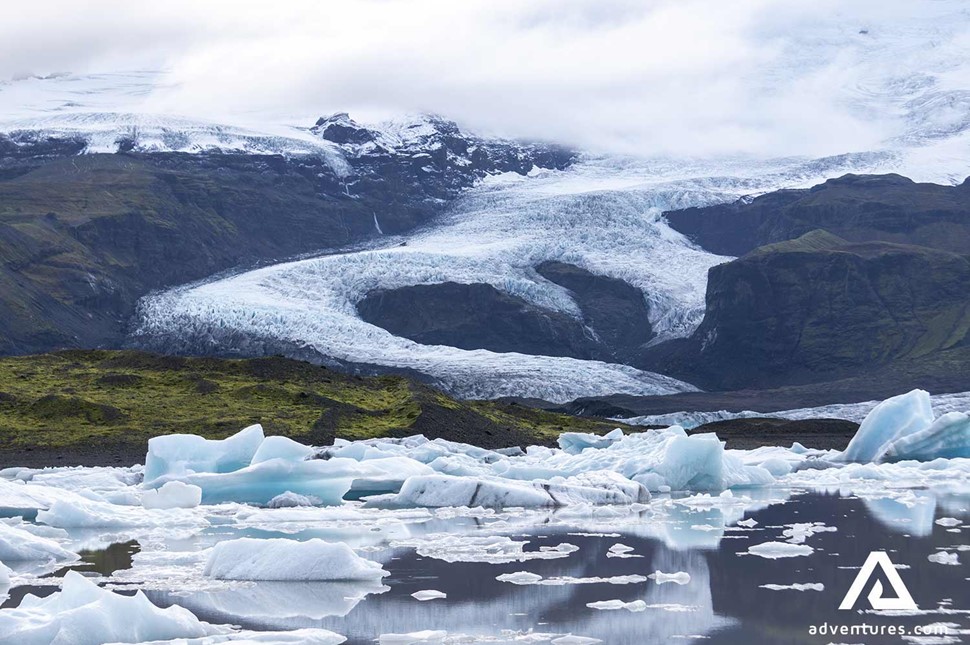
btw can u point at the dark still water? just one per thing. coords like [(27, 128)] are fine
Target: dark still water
[(723, 601)]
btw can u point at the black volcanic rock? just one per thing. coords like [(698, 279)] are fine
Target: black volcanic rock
[(615, 311), (819, 308), (476, 316), (858, 208)]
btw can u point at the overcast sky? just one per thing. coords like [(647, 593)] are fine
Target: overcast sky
[(686, 76)]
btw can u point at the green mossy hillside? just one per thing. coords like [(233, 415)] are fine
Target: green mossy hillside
[(80, 399)]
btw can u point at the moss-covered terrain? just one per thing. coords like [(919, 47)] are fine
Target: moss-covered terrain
[(102, 406)]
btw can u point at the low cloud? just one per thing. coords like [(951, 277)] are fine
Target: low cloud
[(690, 77)]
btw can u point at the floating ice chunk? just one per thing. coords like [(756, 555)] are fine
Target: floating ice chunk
[(92, 514), (944, 557), (574, 443), (281, 448), (799, 532), (181, 454), (173, 494), (570, 639), (679, 577), (527, 578), (84, 614), (4, 575), (435, 491), (797, 586), (497, 549), (428, 594), (748, 523), (520, 578), (17, 544), (290, 499), (775, 550), (621, 551), (636, 605), (282, 559), (948, 521), (327, 480), (309, 636), (426, 636), (892, 419), (948, 437), (385, 476)]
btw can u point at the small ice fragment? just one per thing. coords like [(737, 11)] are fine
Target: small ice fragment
[(575, 640), (748, 523), (680, 577), (426, 636), (173, 494), (608, 605), (948, 521), (797, 586), (520, 578), (293, 500), (428, 594), (775, 550), (944, 557)]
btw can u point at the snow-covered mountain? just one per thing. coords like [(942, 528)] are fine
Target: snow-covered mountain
[(499, 209)]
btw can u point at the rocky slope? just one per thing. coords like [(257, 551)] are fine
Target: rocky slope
[(820, 308), (858, 208), (83, 236)]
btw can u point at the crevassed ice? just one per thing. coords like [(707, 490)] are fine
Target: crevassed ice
[(603, 215)]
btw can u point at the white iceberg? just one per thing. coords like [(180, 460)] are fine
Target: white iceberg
[(492, 492), (17, 544), (308, 636), (173, 494), (282, 559), (612, 605), (775, 550), (428, 594), (84, 614)]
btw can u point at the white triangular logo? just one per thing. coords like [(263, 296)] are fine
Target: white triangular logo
[(881, 559)]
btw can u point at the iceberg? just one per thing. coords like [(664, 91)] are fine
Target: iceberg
[(492, 492), (307, 636), (173, 494), (574, 443), (181, 454), (84, 614), (17, 544), (904, 427), (282, 559)]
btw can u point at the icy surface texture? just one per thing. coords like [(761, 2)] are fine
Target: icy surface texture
[(173, 494), (282, 559), (905, 427), (181, 454), (19, 544), (84, 614), (603, 214)]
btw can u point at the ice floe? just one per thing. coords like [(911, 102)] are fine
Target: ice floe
[(283, 559), (173, 494), (796, 586), (612, 605), (82, 613), (775, 550)]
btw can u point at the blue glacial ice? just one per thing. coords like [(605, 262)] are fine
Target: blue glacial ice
[(616, 468), (906, 428)]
